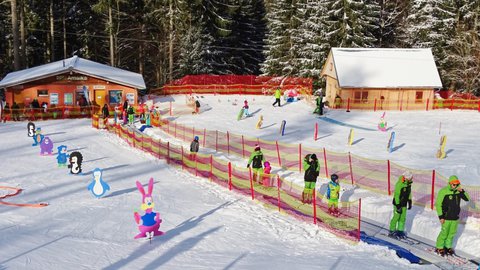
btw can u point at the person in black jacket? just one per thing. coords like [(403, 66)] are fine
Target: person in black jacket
[(194, 148), (312, 170), (256, 159), (105, 112)]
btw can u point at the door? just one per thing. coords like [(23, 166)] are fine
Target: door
[(100, 97)]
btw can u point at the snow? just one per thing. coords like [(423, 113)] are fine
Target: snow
[(207, 226)]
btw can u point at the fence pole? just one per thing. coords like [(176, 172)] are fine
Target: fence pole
[(196, 164), (315, 133), (175, 132), (251, 182), (204, 136), (428, 102), (314, 207), (278, 192), (359, 217), (229, 175), (388, 177), (228, 143), (325, 161), (182, 159), (211, 167), (451, 105), (193, 132), (479, 106), (300, 157), (432, 196), (243, 147), (401, 104), (216, 140), (168, 152), (350, 161), (278, 154), (375, 105), (348, 105), (171, 108)]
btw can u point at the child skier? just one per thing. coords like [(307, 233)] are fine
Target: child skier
[(131, 114), (256, 159), (194, 148), (266, 173), (245, 109), (312, 170), (401, 197), (333, 194)]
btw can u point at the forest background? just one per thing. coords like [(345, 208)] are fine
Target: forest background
[(167, 39)]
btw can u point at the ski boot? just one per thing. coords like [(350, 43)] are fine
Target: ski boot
[(401, 235), (392, 234), (440, 251), (336, 212), (450, 252)]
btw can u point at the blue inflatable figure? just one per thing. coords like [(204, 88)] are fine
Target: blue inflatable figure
[(98, 187), (62, 156), (38, 137)]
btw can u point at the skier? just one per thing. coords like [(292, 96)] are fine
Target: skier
[(333, 194), (105, 112), (319, 103), (256, 159), (448, 210), (245, 108), (312, 170), (197, 106), (278, 95), (266, 173), (194, 148), (131, 114), (401, 197)]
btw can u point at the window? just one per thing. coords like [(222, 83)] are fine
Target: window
[(360, 96), (54, 99), (115, 96), (68, 99), (42, 93), (418, 97)]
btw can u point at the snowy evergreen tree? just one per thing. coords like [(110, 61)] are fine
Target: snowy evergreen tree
[(391, 16)]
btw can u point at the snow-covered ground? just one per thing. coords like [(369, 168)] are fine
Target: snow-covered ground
[(208, 227)]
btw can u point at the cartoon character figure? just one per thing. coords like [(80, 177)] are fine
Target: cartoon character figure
[(46, 146), (98, 187), (149, 223), (38, 137), (75, 162), (30, 129), (62, 156), (382, 125)]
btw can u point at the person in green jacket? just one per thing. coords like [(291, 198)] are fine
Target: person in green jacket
[(402, 196), (333, 194), (278, 95), (448, 210), (312, 170), (256, 159)]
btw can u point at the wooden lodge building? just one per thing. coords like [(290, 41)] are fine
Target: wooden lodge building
[(72, 82), (390, 79)]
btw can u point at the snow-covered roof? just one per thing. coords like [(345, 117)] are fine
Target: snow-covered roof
[(385, 68), (78, 65)]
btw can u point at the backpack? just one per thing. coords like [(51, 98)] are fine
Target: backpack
[(197, 103), (257, 161)]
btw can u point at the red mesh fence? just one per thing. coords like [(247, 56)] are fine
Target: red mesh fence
[(270, 189)]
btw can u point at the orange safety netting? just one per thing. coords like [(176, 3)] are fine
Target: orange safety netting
[(15, 192)]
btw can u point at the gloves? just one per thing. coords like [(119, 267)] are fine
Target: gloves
[(399, 209), (248, 165), (409, 204)]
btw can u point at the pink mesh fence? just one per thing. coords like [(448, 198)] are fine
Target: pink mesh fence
[(270, 189)]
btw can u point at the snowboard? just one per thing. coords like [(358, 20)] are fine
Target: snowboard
[(390, 142), (240, 114)]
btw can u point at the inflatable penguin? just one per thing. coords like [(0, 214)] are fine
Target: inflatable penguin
[(75, 162), (98, 187), (38, 137), (30, 129), (62, 156)]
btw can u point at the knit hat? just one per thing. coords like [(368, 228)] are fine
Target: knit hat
[(257, 147), (266, 164), (245, 102), (453, 180)]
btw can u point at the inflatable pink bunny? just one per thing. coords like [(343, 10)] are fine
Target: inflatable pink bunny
[(149, 223)]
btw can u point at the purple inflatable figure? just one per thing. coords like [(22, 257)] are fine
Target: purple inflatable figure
[(46, 146), (149, 223)]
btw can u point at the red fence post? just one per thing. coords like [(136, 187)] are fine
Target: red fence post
[(388, 177), (359, 217), (251, 183), (451, 105), (216, 140), (193, 132), (175, 132), (300, 157), (196, 165), (314, 207), (278, 192), (243, 147), (350, 161), (168, 152), (432, 196), (428, 102), (375, 105), (325, 161), (171, 108), (348, 105), (278, 154), (211, 167), (182, 159), (315, 133), (479, 106), (229, 175), (401, 104)]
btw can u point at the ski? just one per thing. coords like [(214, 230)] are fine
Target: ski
[(458, 262), (405, 240)]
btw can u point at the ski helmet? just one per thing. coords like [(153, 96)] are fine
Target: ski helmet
[(196, 138), (334, 177)]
